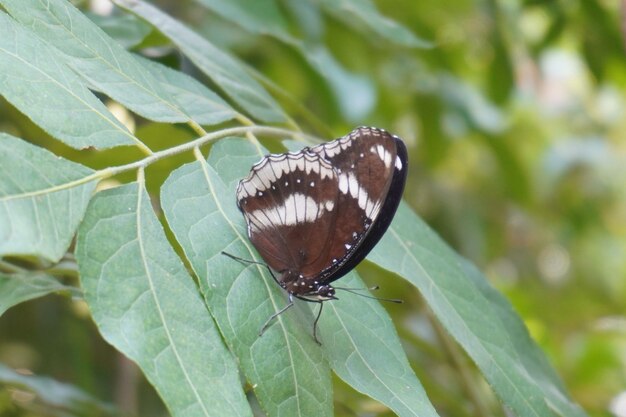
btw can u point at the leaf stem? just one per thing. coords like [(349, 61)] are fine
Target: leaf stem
[(235, 131), (153, 157), (9, 267)]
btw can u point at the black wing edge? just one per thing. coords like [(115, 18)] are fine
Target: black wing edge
[(386, 214)]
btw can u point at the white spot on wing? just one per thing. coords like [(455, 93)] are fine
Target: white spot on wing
[(353, 185), (343, 183), (297, 208), (398, 163)]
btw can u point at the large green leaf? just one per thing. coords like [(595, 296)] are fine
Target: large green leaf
[(199, 202), (204, 106), (365, 351), (40, 206), (16, 288), (147, 306), (105, 64), (476, 315), (285, 366), (225, 71), (34, 79)]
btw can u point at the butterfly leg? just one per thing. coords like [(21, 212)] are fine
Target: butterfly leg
[(249, 261), (242, 260), (319, 314), (273, 316)]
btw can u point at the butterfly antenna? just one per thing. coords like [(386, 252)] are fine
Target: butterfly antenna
[(355, 291)]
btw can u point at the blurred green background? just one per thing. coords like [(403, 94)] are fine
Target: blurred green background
[(515, 119)]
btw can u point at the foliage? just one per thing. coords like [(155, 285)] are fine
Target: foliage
[(106, 195)]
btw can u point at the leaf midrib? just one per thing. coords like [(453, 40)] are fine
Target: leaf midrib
[(365, 361), (203, 166), (452, 308), (158, 304)]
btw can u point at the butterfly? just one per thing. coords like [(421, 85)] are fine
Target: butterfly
[(315, 214)]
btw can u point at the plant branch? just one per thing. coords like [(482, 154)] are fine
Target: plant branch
[(153, 157)]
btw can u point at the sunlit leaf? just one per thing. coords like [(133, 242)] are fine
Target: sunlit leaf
[(202, 104), (476, 315), (40, 206), (147, 306), (224, 70), (17, 288), (107, 66), (34, 79)]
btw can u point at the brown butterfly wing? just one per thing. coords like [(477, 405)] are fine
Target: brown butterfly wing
[(289, 202), (371, 168)]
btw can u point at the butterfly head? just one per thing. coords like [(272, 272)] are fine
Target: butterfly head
[(309, 288)]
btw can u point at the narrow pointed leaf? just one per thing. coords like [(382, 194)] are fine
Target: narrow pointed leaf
[(147, 306), (126, 29), (476, 315), (40, 206), (107, 66), (34, 79), (202, 104), (285, 366), (362, 14), (365, 351), (17, 288), (354, 93), (260, 16), (225, 71)]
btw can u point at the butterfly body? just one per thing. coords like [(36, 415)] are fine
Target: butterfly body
[(313, 215)]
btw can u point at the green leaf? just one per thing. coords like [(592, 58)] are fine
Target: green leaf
[(202, 104), (225, 71), (126, 29), (42, 199), (372, 362), (107, 66), (17, 288), (355, 94), (362, 14), (147, 306), (198, 201), (54, 394), (477, 316), (285, 366), (257, 16), (364, 350), (34, 79)]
